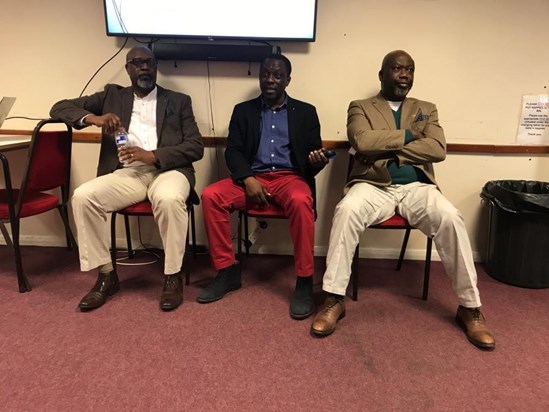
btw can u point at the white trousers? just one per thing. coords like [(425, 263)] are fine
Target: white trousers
[(425, 208), (93, 201)]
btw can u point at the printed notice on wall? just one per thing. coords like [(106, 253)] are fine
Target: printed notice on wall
[(534, 120)]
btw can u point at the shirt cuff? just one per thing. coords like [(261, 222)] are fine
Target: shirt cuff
[(408, 136)]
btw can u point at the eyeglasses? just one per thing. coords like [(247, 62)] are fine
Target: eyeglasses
[(141, 62)]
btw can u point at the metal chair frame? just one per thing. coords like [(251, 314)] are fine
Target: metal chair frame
[(395, 222), (145, 209), (57, 175)]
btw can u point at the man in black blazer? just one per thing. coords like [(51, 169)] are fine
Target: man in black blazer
[(274, 151), (163, 142)]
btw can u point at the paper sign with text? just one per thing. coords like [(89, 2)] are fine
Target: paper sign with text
[(534, 120)]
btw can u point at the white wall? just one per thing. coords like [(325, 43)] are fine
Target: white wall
[(474, 58)]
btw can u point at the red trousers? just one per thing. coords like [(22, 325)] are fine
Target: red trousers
[(288, 190)]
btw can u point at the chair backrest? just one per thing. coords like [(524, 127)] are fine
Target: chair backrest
[(49, 158), (351, 162)]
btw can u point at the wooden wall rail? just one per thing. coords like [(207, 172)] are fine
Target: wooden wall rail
[(473, 148)]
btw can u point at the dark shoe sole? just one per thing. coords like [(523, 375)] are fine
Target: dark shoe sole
[(480, 345), (301, 316), (321, 334), (168, 308), (206, 300)]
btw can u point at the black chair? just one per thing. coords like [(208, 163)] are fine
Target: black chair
[(48, 168)]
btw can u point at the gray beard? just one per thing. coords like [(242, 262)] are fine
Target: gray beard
[(145, 83), (400, 92)]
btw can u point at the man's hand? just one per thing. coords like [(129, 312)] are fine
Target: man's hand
[(110, 121), (130, 154), (317, 158), (417, 134), (256, 192)]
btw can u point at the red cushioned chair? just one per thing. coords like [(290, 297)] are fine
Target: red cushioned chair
[(395, 222), (48, 168), (269, 212), (272, 211), (144, 208)]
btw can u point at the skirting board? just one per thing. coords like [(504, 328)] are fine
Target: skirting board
[(370, 253)]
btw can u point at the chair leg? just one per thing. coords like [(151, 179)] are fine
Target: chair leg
[(113, 240), (193, 232), (128, 236), (71, 241), (190, 233), (246, 234), (7, 236), (239, 235), (427, 273), (185, 260), (403, 248), (23, 281), (354, 273)]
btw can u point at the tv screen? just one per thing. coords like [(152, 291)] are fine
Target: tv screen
[(213, 19)]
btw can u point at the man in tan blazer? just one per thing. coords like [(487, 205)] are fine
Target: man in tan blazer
[(396, 140)]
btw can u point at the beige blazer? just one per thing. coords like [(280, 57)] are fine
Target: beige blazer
[(372, 132)]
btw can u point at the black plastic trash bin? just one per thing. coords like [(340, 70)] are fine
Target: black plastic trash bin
[(518, 238)]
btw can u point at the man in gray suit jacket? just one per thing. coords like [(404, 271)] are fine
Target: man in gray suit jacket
[(396, 140), (163, 142)]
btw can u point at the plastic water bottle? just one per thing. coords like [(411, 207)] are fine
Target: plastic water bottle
[(121, 138)]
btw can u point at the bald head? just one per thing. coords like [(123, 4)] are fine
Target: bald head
[(396, 75), (138, 50), (389, 57)]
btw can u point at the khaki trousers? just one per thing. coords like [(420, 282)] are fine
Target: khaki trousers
[(425, 208), (93, 201)]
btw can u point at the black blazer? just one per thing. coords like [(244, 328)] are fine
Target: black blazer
[(245, 133)]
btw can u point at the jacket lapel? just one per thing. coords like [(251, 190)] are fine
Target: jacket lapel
[(161, 107), (255, 123), (291, 121), (127, 106), (381, 105), (408, 112)]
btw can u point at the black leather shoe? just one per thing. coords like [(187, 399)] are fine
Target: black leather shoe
[(172, 292), (301, 306), (226, 281), (105, 286)]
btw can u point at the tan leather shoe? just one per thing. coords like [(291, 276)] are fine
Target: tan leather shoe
[(473, 323), (329, 313)]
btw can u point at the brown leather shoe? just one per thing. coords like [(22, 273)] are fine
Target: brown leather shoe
[(325, 321), (472, 321), (172, 292), (105, 286)]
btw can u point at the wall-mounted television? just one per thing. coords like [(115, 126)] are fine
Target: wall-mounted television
[(282, 20)]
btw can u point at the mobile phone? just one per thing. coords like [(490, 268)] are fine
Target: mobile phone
[(330, 154)]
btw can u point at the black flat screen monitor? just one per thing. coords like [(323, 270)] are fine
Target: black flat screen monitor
[(282, 20)]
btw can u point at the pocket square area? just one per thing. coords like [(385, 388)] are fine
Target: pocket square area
[(420, 117)]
